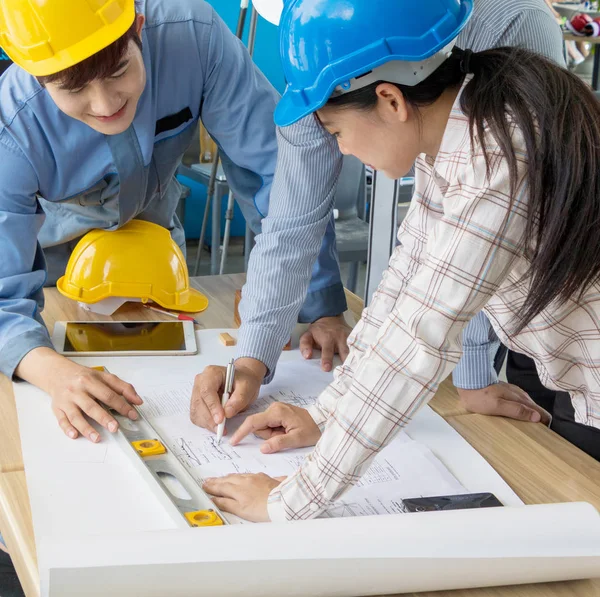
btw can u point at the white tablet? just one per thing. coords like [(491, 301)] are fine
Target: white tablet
[(121, 338)]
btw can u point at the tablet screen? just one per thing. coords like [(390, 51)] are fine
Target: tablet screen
[(123, 336)]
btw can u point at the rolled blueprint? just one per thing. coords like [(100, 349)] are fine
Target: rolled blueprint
[(335, 557)]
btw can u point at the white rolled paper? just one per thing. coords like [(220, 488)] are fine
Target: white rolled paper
[(335, 557)]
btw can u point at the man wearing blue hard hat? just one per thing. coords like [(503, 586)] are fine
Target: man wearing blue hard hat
[(493, 225), (274, 289)]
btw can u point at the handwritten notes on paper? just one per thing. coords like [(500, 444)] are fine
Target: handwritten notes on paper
[(405, 468)]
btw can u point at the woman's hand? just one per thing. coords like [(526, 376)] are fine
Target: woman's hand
[(283, 426), (243, 495)]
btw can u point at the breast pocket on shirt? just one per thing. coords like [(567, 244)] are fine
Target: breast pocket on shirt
[(95, 207), (93, 196), (173, 136), (100, 201)]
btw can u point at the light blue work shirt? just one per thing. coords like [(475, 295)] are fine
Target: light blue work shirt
[(59, 178)]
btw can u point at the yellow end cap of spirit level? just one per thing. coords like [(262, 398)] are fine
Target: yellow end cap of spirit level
[(149, 447), (204, 518)]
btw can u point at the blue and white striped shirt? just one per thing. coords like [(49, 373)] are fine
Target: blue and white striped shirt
[(302, 200)]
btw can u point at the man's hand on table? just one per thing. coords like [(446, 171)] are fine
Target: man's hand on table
[(77, 391), (206, 410), (330, 334), (503, 400)]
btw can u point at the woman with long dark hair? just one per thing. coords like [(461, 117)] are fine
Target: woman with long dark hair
[(505, 218)]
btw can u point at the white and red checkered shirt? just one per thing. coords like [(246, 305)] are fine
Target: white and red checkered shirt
[(463, 248)]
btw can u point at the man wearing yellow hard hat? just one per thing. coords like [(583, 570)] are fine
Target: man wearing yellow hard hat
[(95, 114)]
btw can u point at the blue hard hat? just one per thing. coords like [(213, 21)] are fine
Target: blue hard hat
[(326, 44)]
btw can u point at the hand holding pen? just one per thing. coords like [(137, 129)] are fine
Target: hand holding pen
[(228, 389)]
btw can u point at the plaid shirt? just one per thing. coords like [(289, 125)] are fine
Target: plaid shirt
[(462, 249)]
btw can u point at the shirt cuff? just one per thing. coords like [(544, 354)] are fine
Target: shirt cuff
[(319, 416), (475, 370), (275, 507), (326, 302), (19, 346), (287, 501), (255, 342)]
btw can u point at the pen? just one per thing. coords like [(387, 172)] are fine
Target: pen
[(180, 316), (225, 398)]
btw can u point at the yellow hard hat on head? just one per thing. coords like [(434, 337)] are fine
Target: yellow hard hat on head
[(140, 260), (47, 36)]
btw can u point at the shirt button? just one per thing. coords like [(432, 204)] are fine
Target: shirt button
[(314, 507)]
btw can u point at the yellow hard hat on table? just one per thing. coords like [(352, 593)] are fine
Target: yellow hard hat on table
[(138, 261), (47, 36)]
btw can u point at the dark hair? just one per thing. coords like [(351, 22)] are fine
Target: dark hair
[(559, 118), (101, 65)]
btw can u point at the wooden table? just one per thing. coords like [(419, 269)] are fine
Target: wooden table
[(540, 466)]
